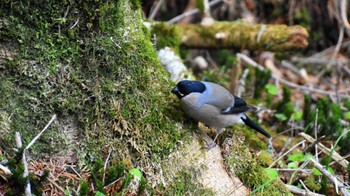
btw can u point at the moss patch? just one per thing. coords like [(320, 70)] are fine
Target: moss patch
[(167, 35), (242, 164)]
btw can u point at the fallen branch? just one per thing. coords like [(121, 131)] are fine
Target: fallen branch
[(27, 188), (335, 156), (299, 191), (332, 178), (243, 35)]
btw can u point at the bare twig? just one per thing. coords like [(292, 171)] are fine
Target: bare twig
[(291, 84), (5, 170), (286, 144), (18, 140), (194, 11), (302, 166), (302, 183), (332, 178), (335, 53), (41, 132), (156, 9), (306, 171), (241, 83), (343, 162), (279, 158), (318, 59), (315, 132), (291, 67), (262, 29), (321, 57), (291, 12), (344, 158), (27, 188), (105, 165), (110, 184), (75, 24), (75, 171), (343, 8), (300, 191), (56, 185)]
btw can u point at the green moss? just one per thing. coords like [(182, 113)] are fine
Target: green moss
[(200, 5), (167, 35), (252, 137), (265, 158), (185, 184), (136, 4), (251, 173)]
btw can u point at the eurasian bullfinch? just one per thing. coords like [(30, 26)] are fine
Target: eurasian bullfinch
[(214, 106)]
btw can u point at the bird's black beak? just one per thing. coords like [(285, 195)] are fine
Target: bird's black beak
[(176, 91), (247, 121)]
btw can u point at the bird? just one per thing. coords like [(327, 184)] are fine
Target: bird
[(213, 105)]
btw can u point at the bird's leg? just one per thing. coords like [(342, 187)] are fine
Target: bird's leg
[(213, 144)]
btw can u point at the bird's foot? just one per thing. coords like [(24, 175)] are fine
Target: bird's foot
[(209, 147)]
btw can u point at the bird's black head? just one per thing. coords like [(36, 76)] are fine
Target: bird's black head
[(186, 87)]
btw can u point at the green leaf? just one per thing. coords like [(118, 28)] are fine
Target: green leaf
[(316, 172), (67, 192), (136, 172), (297, 157), (297, 115), (281, 116), (292, 165), (347, 115), (330, 170), (98, 193), (271, 89), (308, 156), (272, 173)]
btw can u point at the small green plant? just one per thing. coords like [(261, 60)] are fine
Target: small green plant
[(272, 175), (297, 115), (135, 174), (297, 158), (281, 117), (17, 182), (263, 78), (271, 89), (285, 106)]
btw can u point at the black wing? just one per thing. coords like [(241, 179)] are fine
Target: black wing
[(239, 107)]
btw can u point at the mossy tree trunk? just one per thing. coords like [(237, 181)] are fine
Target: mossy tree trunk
[(93, 64)]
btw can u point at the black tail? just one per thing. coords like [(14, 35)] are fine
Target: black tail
[(254, 126)]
